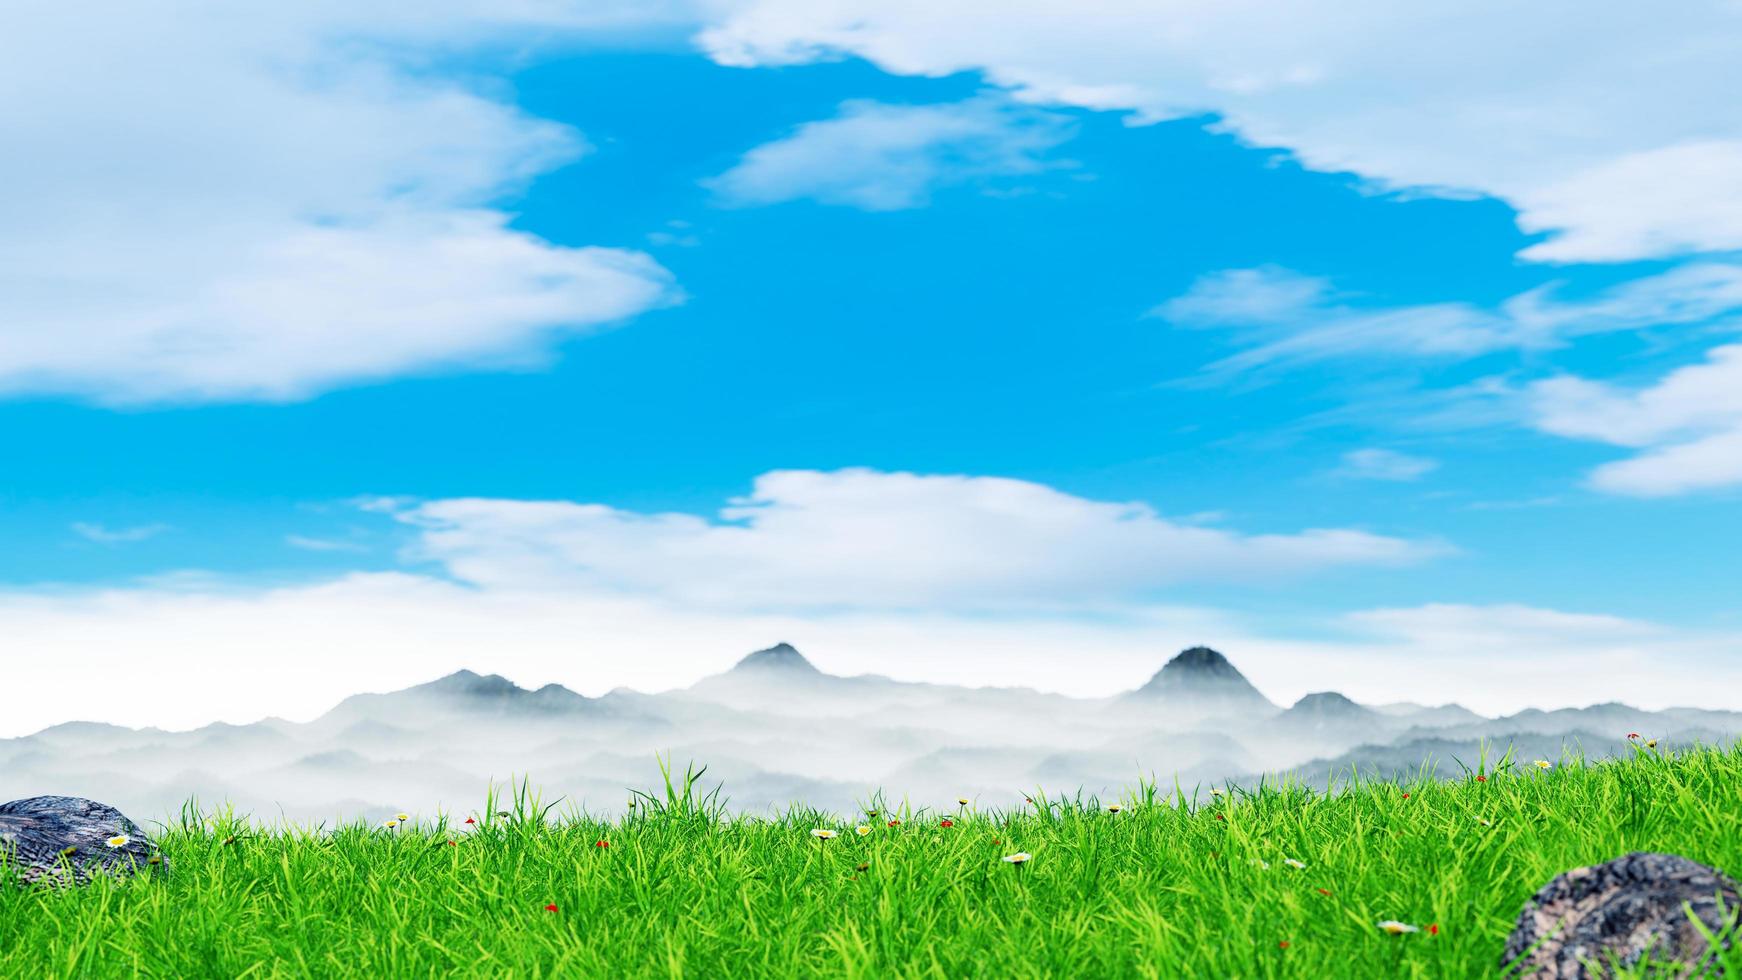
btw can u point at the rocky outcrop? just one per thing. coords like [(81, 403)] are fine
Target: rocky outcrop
[(66, 840), (1589, 919)]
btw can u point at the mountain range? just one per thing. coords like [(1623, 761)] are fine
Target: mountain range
[(774, 730)]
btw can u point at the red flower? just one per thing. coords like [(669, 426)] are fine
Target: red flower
[(1220, 817), (603, 843), (1406, 796), (1323, 891), (1283, 944), (1434, 929), (946, 823), (997, 841), (453, 843), (551, 907), (893, 823), (1481, 779), (1632, 734), (470, 820)]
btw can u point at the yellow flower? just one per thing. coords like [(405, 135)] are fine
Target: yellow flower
[(1217, 791), (1114, 808), (403, 817), (861, 830), (824, 833), (1651, 743), (963, 800), (1397, 928), (119, 840), (1293, 863), (391, 824), (1020, 857)]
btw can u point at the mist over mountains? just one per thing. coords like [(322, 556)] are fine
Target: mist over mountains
[(775, 730)]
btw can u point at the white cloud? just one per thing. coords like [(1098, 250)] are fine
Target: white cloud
[(882, 157), (868, 539), (1285, 318), (120, 535), (1384, 464), (1612, 125), (1688, 424), (264, 204), (304, 543)]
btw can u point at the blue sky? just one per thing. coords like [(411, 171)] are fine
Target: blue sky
[(640, 267)]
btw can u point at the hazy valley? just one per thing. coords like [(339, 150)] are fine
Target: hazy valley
[(775, 730)]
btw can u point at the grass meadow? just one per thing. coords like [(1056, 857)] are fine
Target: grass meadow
[(1283, 881)]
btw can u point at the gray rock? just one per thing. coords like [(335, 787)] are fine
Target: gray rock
[(1590, 918), (65, 840)]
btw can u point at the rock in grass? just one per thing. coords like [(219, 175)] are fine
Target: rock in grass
[(65, 840), (1588, 920)]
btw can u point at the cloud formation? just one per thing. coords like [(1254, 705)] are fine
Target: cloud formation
[(101, 534), (1620, 145), (881, 157), (857, 539), (1687, 426), (266, 205), (1384, 464), (1285, 319)]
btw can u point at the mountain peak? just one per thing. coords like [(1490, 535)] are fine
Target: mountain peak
[(781, 658), (1328, 704), (466, 682), (1201, 673)]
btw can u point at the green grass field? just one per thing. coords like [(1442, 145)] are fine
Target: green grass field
[(1157, 889)]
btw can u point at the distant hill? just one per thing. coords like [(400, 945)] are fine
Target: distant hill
[(778, 729), (1201, 682)]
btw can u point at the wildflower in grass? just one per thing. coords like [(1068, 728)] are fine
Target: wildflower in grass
[(861, 830), (1113, 808), (119, 840), (894, 823), (453, 843), (1294, 863), (1484, 821), (402, 817), (1397, 928), (946, 822), (1481, 779), (1651, 743), (1406, 796), (504, 814), (862, 866), (963, 800), (996, 842), (1544, 764), (1282, 945), (1323, 891), (1217, 791), (1434, 929), (1019, 858), (1632, 736), (824, 833), (1220, 817), (470, 820), (1260, 864), (391, 824), (601, 843), (551, 907)]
